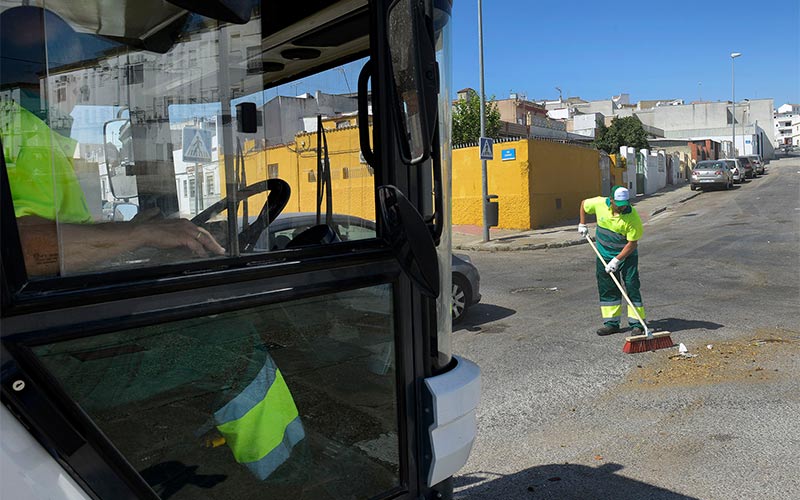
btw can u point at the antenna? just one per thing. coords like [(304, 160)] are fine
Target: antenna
[(559, 93)]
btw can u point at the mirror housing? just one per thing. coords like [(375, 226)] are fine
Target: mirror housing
[(416, 77), (409, 237)]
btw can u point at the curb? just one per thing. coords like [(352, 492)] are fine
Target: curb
[(693, 195), (491, 247), (504, 247)]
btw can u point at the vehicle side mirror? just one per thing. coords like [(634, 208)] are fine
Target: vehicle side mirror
[(412, 243), (416, 77), (118, 159)]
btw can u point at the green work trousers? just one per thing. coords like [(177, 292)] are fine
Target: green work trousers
[(611, 297)]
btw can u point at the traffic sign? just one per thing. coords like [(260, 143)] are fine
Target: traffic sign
[(487, 148), (196, 145)]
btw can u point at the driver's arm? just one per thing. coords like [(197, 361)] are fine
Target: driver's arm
[(83, 246)]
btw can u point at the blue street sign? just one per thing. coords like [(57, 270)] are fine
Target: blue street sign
[(508, 154), (487, 148)]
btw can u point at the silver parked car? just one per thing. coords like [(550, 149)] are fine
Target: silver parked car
[(712, 173), (737, 170)]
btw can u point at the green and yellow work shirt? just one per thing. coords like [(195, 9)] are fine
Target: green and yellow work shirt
[(40, 170), (613, 231)]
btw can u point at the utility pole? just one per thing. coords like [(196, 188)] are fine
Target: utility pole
[(734, 55), (484, 177)]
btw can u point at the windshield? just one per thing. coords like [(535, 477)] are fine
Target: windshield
[(180, 138), (710, 165)]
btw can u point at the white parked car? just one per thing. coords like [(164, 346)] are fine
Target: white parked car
[(737, 170)]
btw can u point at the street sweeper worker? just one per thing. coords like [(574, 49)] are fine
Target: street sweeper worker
[(619, 229)]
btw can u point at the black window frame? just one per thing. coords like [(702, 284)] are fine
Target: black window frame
[(73, 438)]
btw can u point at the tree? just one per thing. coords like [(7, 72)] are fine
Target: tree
[(467, 119), (627, 131)]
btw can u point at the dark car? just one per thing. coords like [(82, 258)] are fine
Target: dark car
[(465, 277), (749, 168), (758, 164)]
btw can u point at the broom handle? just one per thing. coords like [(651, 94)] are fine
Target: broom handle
[(616, 282)]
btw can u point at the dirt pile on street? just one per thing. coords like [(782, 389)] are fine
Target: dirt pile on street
[(766, 355)]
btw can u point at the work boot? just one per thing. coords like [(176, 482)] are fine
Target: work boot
[(608, 330), (637, 330)]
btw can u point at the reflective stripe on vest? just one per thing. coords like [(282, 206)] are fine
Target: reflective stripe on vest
[(261, 424)]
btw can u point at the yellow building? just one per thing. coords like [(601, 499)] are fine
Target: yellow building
[(538, 182), (352, 179)]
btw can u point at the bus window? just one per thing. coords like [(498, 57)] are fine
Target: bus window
[(120, 156), (179, 400)]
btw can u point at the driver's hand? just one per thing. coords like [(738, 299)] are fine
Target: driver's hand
[(176, 233)]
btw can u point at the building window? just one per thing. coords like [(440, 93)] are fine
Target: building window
[(185, 188), (272, 171), (254, 60), (61, 94), (134, 74), (210, 184), (191, 187)]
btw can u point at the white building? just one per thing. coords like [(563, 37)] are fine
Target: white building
[(754, 122), (787, 125)]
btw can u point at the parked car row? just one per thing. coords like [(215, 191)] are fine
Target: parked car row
[(726, 172)]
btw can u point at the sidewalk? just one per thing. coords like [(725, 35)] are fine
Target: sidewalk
[(471, 237)]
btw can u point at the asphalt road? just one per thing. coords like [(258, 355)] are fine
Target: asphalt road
[(566, 415)]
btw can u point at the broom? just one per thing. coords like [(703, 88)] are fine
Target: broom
[(638, 343)]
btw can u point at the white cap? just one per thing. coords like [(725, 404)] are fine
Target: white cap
[(621, 194)]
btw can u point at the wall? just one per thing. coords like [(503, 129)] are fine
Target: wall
[(605, 173), (543, 185), (561, 176), (654, 167), (618, 170), (586, 124), (682, 160), (352, 182), (630, 162), (507, 179)]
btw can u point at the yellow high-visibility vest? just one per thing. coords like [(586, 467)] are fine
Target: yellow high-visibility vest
[(40, 170), (261, 424)]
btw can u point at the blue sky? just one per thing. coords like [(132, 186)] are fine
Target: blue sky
[(651, 50)]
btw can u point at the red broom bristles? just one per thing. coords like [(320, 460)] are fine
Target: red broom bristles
[(635, 345)]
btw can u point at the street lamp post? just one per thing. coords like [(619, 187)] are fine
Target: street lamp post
[(734, 55), (484, 175)]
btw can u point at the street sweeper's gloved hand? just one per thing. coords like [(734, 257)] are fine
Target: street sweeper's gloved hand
[(583, 230), (612, 265)]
